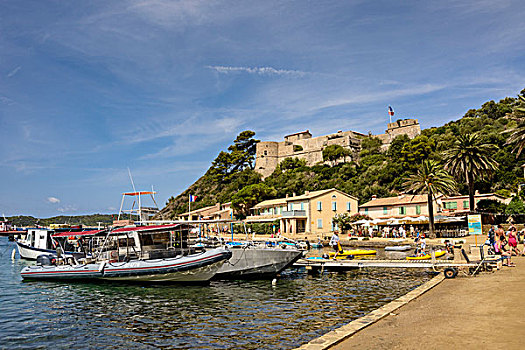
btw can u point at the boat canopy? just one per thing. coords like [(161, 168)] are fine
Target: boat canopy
[(78, 233), (121, 230), (138, 193)]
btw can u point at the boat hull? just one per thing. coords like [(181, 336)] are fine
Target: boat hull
[(192, 268), (31, 253), (251, 262)]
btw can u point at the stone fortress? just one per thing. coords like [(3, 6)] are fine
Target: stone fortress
[(303, 146)]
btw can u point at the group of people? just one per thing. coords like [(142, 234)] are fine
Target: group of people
[(400, 231), (505, 245)]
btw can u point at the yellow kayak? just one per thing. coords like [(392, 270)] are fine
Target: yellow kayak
[(427, 256), (354, 252)]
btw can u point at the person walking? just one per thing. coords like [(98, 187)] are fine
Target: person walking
[(335, 243)]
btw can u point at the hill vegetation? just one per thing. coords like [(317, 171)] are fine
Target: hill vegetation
[(84, 220), (382, 173)]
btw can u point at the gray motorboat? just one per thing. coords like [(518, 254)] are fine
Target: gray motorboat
[(253, 261)]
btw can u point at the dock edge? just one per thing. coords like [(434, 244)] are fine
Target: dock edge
[(338, 335)]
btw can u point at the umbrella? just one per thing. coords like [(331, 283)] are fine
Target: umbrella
[(421, 218), (394, 222)]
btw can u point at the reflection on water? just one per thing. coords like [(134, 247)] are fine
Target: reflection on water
[(223, 315)]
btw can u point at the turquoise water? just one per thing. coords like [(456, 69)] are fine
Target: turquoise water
[(222, 315)]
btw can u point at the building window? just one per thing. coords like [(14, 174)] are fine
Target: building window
[(418, 209), (366, 211), (302, 206), (466, 205), (319, 206), (334, 206), (265, 153), (319, 223), (450, 205), (348, 206), (385, 210), (334, 226), (402, 210)]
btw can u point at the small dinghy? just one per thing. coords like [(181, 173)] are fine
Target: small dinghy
[(398, 248), (353, 252), (438, 254)]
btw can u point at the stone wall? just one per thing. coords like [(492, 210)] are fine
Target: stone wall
[(409, 127), (303, 146)]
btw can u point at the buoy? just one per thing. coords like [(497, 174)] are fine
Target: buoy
[(13, 254), (274, 282)]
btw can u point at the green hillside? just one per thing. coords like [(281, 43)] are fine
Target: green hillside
[(231, 176), (85, 220)]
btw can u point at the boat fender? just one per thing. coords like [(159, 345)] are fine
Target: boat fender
[(13, 254), (102, 266)]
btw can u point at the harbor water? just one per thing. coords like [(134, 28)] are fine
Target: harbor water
[(221, 315)]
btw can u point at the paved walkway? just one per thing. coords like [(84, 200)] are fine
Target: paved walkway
[(481, 312)]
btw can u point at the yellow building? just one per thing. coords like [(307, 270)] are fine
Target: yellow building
[(312, 212), (215, 212), (402, 206)]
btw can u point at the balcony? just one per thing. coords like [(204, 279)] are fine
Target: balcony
[(294, 214)]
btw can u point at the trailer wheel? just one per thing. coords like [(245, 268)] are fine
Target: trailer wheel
[(450, 272)]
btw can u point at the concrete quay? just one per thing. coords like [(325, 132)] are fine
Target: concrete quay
[(470, 312)]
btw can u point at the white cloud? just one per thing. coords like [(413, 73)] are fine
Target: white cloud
[(67, 208), (14, 71), (257, 70), (197, 126), (53, 200), (6, 100)]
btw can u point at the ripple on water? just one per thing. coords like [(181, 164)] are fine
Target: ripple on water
[(223, 315)]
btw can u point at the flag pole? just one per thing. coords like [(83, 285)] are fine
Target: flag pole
[(189, 207)]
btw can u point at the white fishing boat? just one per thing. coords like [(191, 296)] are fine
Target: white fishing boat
[(40, 241)]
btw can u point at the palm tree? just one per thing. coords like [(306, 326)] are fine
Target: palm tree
[(517, 136), (470, 159), (430, 178)]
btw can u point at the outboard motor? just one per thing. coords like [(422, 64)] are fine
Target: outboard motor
[(46, 260)]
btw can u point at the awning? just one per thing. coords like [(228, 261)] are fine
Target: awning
[(77, 233)]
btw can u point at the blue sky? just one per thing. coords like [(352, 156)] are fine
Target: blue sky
[(88, 89)]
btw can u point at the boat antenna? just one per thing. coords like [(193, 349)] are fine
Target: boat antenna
[(137, 195), (153, 196)]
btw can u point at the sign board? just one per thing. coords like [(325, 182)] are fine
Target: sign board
[(474, 224)]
